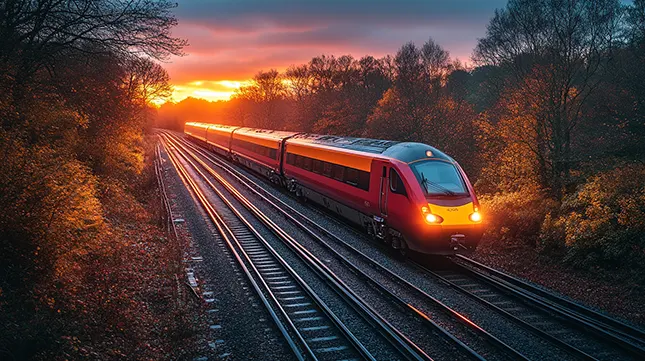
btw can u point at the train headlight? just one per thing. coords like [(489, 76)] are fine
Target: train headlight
[(431, 218), (475, 217)]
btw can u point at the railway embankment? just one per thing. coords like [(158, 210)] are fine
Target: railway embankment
[(117, 295)]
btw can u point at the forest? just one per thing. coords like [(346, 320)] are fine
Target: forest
[(548, 119), (76, 81)]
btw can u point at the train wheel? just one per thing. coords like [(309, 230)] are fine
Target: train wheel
[(403, 250)]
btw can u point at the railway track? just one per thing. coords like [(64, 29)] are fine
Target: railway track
[(545, 313), (611, 325), (423, 318), (310, 328), (293, 315), (626, 341)]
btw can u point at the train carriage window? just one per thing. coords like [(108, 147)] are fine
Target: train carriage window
[(291, 159), (339, 172), (396, 184), (327, 169), (298, 161), (307, 163), (364, 180), (273, 154), (318, 166), (351, 176)]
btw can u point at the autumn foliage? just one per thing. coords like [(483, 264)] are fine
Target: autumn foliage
[(78, 225)]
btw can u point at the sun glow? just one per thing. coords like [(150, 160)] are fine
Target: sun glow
[(211, 90)]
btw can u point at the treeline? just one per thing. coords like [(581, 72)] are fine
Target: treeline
[(76, 78), (550, 123)]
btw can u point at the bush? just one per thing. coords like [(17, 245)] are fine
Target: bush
[(513, 217), (603, 222)]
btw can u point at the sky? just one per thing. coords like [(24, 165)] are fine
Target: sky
[(232, 40)]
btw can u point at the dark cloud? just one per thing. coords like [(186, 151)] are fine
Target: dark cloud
[(254, 14), (234, 39)]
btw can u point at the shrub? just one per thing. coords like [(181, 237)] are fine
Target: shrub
[(515, 216), (603, 222)]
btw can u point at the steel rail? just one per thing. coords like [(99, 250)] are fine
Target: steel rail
[(545, 335), (164, 195), (238, 235), (213, 216), (289, 214), (611, 324), (407, 347), (573, 318)]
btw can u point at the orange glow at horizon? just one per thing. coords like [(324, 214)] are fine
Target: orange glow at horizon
[(211, 90)]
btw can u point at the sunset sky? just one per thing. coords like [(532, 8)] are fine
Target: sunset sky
[(231, 40)]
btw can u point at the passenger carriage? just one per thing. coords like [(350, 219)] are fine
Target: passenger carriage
[(409, 195)]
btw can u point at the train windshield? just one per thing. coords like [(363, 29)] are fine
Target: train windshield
[(439, 178)]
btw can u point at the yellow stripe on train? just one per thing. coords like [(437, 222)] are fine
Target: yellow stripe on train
[(453, 216)]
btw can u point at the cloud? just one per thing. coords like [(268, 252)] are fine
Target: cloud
[(234, 39), (247, 15)]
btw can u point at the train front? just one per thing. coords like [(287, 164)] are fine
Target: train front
[(448, 219)]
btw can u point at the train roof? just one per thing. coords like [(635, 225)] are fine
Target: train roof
[(404, 151), (264, 133), (198, 125), (227, 128)]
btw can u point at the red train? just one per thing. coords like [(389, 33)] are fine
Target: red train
[(410, 195)]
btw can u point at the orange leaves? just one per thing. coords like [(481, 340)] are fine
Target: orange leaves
[(603, 221)]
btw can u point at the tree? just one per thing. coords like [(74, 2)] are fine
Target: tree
[(39, 35), (636, 22), (39, 31), (146, 81), (436, 61), (266, 91), (298, 79), (566, 46)]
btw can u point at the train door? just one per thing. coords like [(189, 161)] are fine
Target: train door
[(398, 203), (383, 190), (281, 155)]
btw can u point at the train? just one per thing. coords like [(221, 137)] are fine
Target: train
[(408, 195)]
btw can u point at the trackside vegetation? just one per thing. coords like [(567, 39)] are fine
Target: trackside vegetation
[(86, 270)]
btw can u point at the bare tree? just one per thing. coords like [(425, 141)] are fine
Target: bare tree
[(564, 45), (147, 81), (34, 33), (436, 61), (266, 91), (298, 81)]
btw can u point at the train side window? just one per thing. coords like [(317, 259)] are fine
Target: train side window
[(298, 161), (339, 172), (307, 163), (327, 169), (290, 159), (364, 180), (351, 176), (318, 166), (396, 184)]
